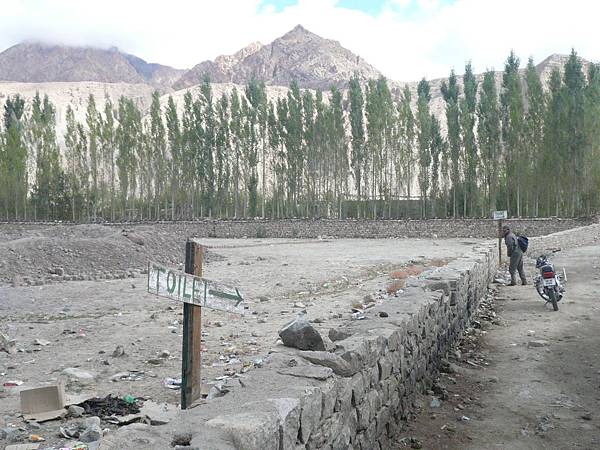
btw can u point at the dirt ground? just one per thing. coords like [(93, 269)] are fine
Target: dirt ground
[(81, 323), (507, 391)]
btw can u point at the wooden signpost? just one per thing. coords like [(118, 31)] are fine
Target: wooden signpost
[(499, 216), (195, 292)]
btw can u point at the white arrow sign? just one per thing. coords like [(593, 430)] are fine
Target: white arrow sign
[(181, 286)]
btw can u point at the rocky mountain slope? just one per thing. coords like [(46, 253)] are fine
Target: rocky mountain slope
[(70, 74), (314, 62), (41, 63)]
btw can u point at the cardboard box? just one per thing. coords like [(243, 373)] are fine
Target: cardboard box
[(43, 403)]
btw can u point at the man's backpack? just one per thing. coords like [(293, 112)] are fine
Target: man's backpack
[(523, 243)]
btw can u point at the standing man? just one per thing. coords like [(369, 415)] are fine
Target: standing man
[(516, 256)]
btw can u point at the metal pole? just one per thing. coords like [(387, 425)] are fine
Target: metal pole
[(191, 383)]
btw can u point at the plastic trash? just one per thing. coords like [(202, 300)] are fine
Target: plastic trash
[(172, 383)]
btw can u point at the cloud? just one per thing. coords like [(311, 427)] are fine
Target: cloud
[(406, 40)]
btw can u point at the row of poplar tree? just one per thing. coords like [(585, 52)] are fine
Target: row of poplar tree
[(372, 152)]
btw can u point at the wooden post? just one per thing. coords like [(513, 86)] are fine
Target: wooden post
[(499, 242), (191, 383)]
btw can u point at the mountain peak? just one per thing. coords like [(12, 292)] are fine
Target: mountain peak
[(299, 32), (300, 55)]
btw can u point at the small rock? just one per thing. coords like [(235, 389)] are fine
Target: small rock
[(165, 354), (335, 362), (181, 439), (118, 351), (369, 298), (587, 416), (41, 342), (10, 434), (538, 343), (217, 324), (383, 314), (75, 411), (135, 238), (33, 425), (338, 334), (435, 402), (415, 443), (79, 374), (92, 432), (299, 333)]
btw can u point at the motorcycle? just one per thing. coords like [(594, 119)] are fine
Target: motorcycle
[(549, 283)]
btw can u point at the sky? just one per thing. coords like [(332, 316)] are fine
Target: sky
[(405, 39)]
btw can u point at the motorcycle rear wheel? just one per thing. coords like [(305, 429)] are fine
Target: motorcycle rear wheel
[(553, 300)]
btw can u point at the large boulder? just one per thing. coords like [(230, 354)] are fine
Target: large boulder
[(300, 334)]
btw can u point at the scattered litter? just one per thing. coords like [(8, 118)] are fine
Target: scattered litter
[(7, 344), (109, 406), (36, 438), (41, 342), (464, 419), (12, 383), (172, 383), (134, 375), (130, 399), (544, 425), (218, 390)]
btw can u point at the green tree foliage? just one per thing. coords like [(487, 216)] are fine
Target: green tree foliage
[(406, 144), (357, 129), (468, 114), (512, 115), (488, 136), (450, 92), (13, 160), (520, 143), (424, 141), (533, 139)]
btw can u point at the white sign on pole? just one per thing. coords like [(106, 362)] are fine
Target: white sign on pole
[(186, 288), (500, 215)]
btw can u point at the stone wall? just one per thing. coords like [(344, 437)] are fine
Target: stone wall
[(358, 396), (306, 228)]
